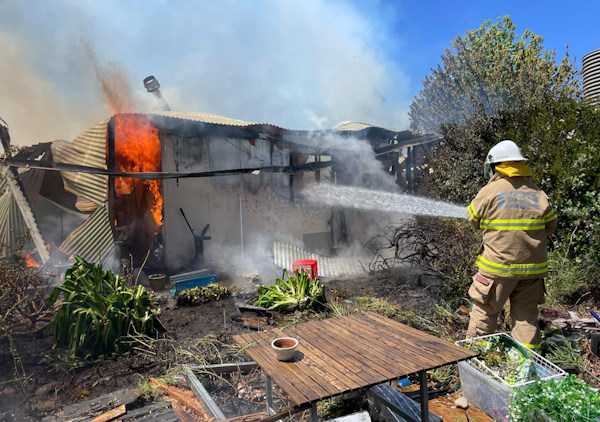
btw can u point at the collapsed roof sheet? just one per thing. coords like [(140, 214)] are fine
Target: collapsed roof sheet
[(12, 222), (93, 239), (16, 215), (88, 149)]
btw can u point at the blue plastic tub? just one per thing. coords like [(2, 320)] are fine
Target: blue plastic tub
[(203, 281)]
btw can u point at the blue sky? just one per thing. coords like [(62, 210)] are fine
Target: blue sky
[(425, 28), (298, 64)]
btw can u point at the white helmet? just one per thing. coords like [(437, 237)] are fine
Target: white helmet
[(500, 153)]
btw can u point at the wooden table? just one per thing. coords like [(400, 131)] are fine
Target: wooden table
[(350, 353)]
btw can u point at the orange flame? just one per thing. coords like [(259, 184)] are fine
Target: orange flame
[(30, 262), (137, 148)]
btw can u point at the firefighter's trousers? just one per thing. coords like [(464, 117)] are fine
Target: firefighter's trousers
[(489, 296)]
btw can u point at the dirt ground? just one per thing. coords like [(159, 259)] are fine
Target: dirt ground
[(195, 335)]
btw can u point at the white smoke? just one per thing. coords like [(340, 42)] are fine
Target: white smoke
[(299, 65)]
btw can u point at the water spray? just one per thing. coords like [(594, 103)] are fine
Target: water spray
[(367, 199)]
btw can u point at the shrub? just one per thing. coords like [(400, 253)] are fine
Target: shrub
[(442, 245), (99, 311), (573, 280), (22, 306), (199, 295)]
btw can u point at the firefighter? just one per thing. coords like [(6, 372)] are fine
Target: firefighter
[(516, 218)]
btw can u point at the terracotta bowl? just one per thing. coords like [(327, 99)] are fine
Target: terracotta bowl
[(284, 347)]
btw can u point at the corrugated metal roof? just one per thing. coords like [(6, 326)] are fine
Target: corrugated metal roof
[(356, 127), (284, 255), (93, 239), (202, 117), (12, 224), (88, 149)]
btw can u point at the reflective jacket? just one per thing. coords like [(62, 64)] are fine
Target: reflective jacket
[(516, 218)]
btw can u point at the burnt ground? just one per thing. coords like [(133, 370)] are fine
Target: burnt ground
[(195, 335)]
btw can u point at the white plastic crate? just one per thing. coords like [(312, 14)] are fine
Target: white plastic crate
[(487, 391)]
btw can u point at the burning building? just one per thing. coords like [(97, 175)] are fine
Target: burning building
[(179, 189)]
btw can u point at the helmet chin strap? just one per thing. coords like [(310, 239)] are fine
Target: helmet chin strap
[(489, 170)]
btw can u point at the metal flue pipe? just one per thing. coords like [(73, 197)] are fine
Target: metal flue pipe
[(151, 84)]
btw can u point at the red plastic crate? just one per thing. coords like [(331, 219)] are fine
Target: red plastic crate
[(309, 265)]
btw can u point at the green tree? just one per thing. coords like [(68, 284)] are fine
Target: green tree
[(491, 69)]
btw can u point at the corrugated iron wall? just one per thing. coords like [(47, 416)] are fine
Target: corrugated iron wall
[(284, 255)]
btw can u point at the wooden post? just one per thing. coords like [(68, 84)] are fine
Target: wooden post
[(110, 165)]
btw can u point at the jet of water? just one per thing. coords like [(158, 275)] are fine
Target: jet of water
[(367, 199)]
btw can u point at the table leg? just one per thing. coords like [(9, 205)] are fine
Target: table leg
[(424, 395), (269, 392), (314, 417)]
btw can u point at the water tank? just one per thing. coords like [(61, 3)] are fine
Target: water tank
[(590, 68)]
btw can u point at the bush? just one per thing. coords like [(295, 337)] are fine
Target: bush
[(22, 307), (199, 295), (442, 245), (573, 280), (99, 311), (22, 298)]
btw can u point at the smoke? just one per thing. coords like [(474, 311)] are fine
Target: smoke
[(299, 65), (114, 83), (357, 164)]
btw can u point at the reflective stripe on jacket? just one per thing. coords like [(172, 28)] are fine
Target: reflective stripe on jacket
[(516, 218)]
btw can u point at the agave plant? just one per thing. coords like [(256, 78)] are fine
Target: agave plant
[(99, 311), (289, 293)]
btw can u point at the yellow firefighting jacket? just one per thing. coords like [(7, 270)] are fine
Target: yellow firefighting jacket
[(516, 218)]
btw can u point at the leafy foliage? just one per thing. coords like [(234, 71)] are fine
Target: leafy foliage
[(99, 311), (506, 357), (290, 293), (560, 139), (573, 280), (565, 355), (199, 295), (493, 69), (567, 400)]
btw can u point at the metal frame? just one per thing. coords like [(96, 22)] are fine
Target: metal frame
[(314, 417), (424, 396)]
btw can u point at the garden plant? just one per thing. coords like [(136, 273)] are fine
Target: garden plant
[(199, 295), (289, 293), (567, 400), (99, 311)]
